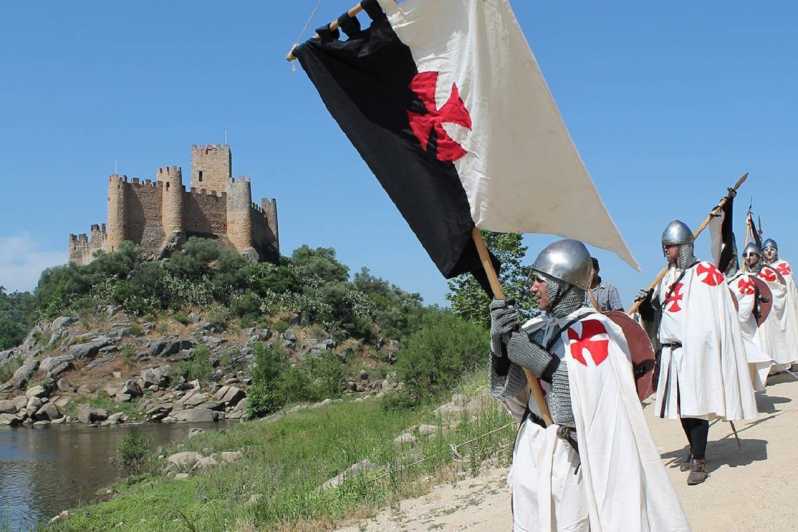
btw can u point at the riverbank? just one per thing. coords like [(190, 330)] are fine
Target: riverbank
[(310, 469)]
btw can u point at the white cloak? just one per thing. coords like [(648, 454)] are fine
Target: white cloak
[(780, 330), (708, 375), (621, 483), (759, 361)]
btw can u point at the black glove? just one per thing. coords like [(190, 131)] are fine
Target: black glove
[(646, 307), (644, 295), (503, 320)]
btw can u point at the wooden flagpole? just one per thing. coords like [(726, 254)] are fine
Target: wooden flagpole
[(332, 25), (498, 293), (636, 305)]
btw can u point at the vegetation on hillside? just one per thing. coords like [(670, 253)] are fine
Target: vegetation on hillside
[(17, 312)]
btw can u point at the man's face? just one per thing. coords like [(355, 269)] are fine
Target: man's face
[(770, 254), (538, 288), (752, 259), (671, 253)]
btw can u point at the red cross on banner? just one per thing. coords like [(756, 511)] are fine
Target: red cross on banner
[(452, 112), (593, 339)]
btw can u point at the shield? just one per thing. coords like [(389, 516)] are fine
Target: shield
[(643, 359), (764, 300)]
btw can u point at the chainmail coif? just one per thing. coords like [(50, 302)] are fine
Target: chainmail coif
[(686, 257)]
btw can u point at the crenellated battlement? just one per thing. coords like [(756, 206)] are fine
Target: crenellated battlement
[(152, 212)]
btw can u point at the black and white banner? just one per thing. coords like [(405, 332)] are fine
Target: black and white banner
[(447, 105)]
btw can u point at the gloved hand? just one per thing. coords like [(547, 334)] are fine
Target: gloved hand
[(503, 320), (644, 295)]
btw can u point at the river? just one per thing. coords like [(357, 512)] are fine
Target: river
[(44, 471)]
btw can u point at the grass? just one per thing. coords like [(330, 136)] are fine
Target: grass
[(104, 401), (287, 460)]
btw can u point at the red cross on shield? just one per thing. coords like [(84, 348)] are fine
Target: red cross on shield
[(746, 287), (593, 339)]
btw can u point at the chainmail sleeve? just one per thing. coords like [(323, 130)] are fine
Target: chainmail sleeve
[(505, 385), (560, 398)]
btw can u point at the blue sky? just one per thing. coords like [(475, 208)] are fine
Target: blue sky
[(668, 103)]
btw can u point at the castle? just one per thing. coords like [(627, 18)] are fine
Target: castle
[(160, 215)]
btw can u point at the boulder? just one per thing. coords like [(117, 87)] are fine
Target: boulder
[(212, 405), (41, 423), (166, 347), (155, 376), (88, 415), (123, 398), (115, 419), (54, 366), (229, 395), (131, 388), (20, 402), (48, 412), (86, 389), (8, 407), (184, 461), (205, 462), (9, 420), (359, 468), (197, 415), (89, 349), (62, 403), (24, 373), (158, 412), (427, 430), (231, 456), (33, 406), (62, 322), (37, 391), (406, 438), (193, 398)]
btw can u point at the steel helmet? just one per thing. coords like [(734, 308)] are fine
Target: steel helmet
[(677, 234), (568, 261)]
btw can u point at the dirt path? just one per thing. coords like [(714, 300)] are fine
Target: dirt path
[(750, 489)]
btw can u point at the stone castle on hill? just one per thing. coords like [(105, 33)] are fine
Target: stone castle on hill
[(160, 215)]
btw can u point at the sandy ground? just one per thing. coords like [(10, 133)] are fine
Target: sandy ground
[(754, 488)]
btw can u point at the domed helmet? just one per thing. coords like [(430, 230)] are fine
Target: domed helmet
[(567, 267), (752, 248), (770, 250), (678, 233)]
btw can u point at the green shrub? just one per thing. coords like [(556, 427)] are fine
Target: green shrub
[(136, 330), (128, 353), (265, 395), (199, 367), (434, 358), (133, 452), (327, 376), (218, 317), (8, 368), (181, 318)]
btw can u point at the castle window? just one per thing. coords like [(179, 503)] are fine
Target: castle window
[(167, 185), (200, 176)]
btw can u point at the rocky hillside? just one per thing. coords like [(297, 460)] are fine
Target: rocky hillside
[(115, 368)]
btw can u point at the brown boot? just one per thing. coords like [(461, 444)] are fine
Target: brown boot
[(684, 465), (698, 472)]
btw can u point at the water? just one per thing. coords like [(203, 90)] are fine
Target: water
[(44, 471)]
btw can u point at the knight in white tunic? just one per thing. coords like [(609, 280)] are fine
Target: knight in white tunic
[(596, 468), (703, 370), (781, 281), (746, 289)]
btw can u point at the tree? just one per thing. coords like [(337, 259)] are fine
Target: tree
[(469, 300)]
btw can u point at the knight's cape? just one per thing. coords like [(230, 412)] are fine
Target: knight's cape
[(708, 375), (780, 331), (625, 484), (759, 361)]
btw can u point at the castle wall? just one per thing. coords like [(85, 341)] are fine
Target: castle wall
[(263, 239), (205, 213), (143, 215)]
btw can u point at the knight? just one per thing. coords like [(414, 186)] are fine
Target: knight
[(754, 301), (780, 331), (703, 370), (595, 467)]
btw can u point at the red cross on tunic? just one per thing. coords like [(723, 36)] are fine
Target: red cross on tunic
[(424, 84), (709, 274), (784, 269), (676, 296), (746, 287), (593, 339), (768, 275)]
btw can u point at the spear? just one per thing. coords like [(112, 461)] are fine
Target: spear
[(732, 191)]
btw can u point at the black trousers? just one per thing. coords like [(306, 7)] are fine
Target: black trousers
[(697, 432)]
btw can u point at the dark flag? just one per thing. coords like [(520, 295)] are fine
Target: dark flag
[(445, 103)]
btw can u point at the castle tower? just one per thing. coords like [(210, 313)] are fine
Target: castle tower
[(170, 179), (239, 215), (269, 206), (211, 167), (117, 227)]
